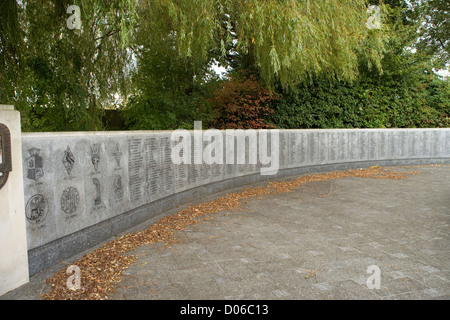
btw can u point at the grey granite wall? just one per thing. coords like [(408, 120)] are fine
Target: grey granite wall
[(83, 188)]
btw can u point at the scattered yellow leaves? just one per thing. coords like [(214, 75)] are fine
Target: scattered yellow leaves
[(312, 273), (102, 268)]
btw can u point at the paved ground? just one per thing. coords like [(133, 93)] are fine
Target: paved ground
[(314, 243)]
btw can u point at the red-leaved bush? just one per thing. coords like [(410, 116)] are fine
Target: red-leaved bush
[(242, 103)]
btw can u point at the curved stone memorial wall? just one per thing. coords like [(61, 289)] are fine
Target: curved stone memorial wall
[(84, 188)]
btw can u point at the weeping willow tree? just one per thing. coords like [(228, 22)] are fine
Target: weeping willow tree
[(60, 78), (286, 41)]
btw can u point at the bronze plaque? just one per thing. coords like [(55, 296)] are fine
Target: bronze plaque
[(5, 152)]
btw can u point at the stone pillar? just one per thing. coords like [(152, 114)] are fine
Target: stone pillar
[(13, 238)]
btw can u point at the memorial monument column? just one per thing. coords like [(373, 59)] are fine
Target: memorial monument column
[(13, 238)]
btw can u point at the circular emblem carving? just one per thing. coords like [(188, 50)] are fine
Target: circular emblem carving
[(69, 200), (36, 209)]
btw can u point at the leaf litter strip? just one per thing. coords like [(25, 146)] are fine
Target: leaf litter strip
[(103, 267)]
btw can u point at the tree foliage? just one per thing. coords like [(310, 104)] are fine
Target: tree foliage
[(406, 94), (242, 103), (285, 41), (329, 68), (168, 88), (281, 42), (60, 79), (434, 31)]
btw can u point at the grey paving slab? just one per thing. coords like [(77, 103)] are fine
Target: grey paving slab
[(304, 245)]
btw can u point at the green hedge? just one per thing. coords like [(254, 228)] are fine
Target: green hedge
[(364, 104)]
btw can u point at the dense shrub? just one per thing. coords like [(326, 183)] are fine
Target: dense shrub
[(242, 103), (364, 104)]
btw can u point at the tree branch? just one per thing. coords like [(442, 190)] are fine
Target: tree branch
[(108, 34)]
